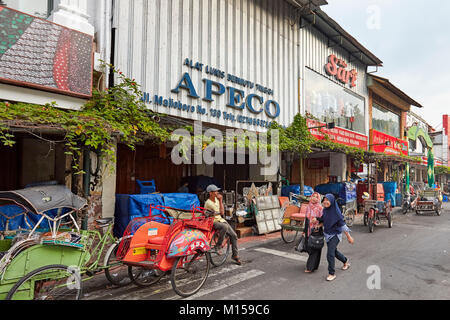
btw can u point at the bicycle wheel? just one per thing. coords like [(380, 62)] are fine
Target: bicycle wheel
[(189, 274), (143, 277), (116, 273), (53, 282), (288, 236), (218, 259)]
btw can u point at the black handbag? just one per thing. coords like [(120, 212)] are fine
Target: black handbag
[(316, 241)]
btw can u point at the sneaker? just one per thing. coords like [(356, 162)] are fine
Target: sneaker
[(237, 261), (346, 266), (331, 278)]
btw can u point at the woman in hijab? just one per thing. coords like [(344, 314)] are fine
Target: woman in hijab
[(313, 212), (334, 224)]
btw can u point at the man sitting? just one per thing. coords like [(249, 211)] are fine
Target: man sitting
[(215, 204)]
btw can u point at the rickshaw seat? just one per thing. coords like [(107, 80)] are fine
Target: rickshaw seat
[(156, 240)]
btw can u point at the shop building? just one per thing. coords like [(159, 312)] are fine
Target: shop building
[(49, 53), (243, 65), (420, 143), (389, 107)]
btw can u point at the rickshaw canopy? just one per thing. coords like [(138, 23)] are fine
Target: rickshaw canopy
[(44, 198)]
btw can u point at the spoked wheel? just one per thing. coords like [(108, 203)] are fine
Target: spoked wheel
[(389, 218), (145, 277), (117, 273), (53, 282), (189, 273), (219, 258), (288, 236), (350, 217), (366, 219), (405, 209)]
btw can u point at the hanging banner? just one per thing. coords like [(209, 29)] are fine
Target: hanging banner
[(397, 147), (338, 135)]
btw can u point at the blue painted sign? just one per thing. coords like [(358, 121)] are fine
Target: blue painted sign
[(237, 99)]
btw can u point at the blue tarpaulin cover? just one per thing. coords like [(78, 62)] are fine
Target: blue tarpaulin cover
[(295, 189), (344, 190), (18, 218), (390, 188), (129, 207)]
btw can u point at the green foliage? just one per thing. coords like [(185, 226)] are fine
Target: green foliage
[(442, 170), (296, 138), (118, 111)]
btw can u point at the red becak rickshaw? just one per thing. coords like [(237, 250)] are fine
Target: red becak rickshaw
[(151, 249)]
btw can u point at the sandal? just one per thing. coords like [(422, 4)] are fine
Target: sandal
[(346, 266), (237, 261), (331, 278)]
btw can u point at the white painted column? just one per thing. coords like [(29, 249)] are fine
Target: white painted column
[(338, 165), (73, 14)]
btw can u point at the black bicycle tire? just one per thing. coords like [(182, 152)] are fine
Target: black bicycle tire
[(173, 274), (33, 273), (225, 255), (107, 273), (142, 284), (284, 238)]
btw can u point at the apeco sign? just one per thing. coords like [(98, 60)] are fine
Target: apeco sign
[(338, 69)]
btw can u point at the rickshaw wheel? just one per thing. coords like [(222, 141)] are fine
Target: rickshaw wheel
[(117, 273), (143, 277), (390, 222), (216, 259), (53, 282), (366, 219), (288, 236), (189, 273)]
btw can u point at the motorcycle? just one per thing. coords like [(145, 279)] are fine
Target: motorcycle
[(409, 203)]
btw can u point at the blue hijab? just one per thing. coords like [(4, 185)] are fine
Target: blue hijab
[(333, 220)]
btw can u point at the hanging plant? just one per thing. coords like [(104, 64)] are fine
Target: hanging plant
[(115, 113)]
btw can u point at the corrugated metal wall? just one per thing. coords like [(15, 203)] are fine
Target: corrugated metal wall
[(252, 39)]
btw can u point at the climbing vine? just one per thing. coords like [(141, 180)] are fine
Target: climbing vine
[(117, 112)]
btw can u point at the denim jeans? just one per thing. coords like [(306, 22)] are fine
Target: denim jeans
[(333, 254)]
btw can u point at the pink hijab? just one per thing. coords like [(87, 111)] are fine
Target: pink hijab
[(314, 210)]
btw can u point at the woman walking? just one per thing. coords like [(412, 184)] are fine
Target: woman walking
[(334, 225), (313, 213)]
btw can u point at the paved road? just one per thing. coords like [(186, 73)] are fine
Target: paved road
[(413, 259)]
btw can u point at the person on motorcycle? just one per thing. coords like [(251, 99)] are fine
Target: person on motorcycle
[(215, 204)]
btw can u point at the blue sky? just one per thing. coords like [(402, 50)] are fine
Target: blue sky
[(412, 38)]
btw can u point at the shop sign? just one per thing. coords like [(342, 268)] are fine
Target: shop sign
[(338, 135), (397, 147), (238, 100), (338, 68), (39, 54)]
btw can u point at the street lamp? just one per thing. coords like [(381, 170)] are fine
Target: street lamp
[(329, 126)]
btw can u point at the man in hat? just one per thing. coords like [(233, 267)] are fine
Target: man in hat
[(215, 204)]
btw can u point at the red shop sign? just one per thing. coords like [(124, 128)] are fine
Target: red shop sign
[(339, 135), (397, 147), (338, 68)]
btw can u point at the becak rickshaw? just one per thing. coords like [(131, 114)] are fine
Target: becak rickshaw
[(48, 261), (375, 211), (182, 247), (430, 201)]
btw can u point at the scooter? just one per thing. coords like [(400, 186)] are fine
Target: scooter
[(409, 203)]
